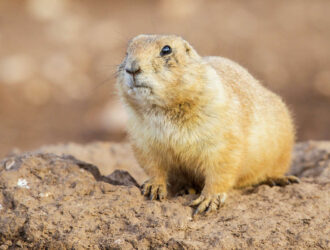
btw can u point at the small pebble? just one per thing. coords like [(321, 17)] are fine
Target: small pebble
[(118, 241), (42, 195), (9, 164), (22, 183)]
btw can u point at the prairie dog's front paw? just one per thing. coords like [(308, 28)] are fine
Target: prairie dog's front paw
[(208, 203), (154, 190)]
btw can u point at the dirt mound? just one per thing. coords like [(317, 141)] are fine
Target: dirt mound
[(56, 201)]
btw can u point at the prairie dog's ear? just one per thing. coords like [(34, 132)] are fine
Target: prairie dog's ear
[(189, 49)]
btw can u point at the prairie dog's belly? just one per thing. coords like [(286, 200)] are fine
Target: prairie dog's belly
[(184, 147)]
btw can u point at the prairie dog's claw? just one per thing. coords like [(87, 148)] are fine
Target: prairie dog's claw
[(280, 181), (208, 203), (153, 190)]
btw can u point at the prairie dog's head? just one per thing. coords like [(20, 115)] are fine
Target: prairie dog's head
[(160, 70)]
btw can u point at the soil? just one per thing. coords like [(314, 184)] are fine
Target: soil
[(87, 196)]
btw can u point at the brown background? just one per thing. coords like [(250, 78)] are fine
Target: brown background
[(58, 59)]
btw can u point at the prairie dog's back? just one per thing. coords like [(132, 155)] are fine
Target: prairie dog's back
[(253, 96), (269, 129), (239, 79)]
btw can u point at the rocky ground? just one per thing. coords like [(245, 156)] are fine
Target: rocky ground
[(70, 196)]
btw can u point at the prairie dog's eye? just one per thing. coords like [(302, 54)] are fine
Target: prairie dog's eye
[(166, 50)]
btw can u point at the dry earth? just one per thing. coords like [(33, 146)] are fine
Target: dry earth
[(53, 200)]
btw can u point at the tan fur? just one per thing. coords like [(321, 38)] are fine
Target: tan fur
[(204, 116)]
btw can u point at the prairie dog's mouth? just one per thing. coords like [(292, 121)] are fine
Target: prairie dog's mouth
[(140, 86), (133, 83), (139, 91), (135, 88)]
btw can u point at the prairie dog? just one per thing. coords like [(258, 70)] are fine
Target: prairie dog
[(204, 118)]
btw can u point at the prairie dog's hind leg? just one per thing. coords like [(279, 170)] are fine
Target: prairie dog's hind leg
[(280, 181)]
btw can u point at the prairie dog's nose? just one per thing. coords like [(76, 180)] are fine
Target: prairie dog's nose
[(134, 68)]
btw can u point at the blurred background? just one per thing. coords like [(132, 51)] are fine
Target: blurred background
[(58, 60)]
